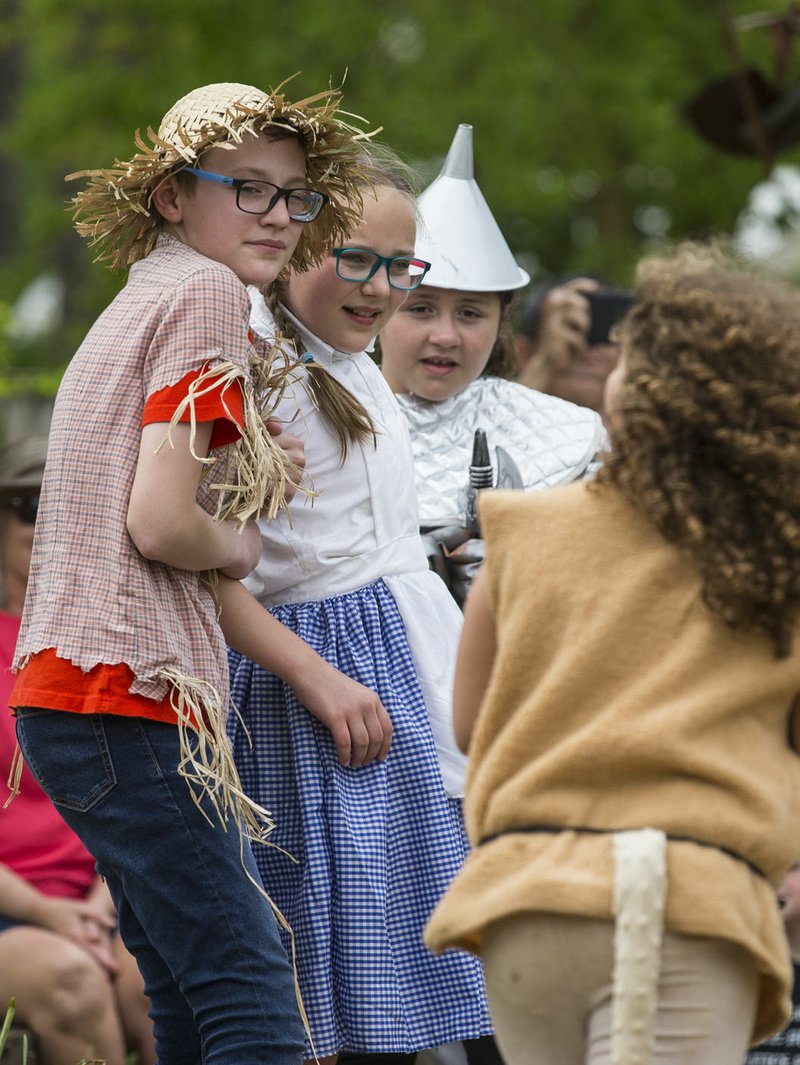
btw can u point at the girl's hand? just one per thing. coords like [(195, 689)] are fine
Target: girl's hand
[(295, 451), (354, 715)]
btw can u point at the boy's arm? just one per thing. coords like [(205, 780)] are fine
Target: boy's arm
[(165, 521), (476, 653), (360, 726)]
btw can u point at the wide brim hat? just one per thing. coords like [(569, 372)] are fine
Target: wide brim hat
[(115, 211), (22, 466), (458, 234)]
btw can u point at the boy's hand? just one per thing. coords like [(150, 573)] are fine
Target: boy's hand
[(354, 715), (251, 552), (295, 455)]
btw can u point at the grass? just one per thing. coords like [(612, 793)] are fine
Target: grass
[(12, 1008), (7, 1022)]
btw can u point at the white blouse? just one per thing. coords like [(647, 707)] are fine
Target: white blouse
[(362, 525)]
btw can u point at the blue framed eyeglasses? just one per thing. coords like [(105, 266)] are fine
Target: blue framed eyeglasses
[(259, 197), (358, 264)]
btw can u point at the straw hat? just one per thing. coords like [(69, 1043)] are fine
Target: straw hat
[(115, 211), (459, 235), (22, 466)]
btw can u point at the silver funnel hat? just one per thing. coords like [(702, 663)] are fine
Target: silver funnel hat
[(458, 234)]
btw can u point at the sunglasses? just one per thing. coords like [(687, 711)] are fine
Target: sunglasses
[(25, 507)]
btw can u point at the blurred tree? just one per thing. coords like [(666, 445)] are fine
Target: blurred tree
[(580, 148)]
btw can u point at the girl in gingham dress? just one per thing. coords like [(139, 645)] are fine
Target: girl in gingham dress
[(367, 839)]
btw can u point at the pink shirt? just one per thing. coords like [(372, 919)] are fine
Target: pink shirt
[(35, 842), (92, 597), (46, 679)]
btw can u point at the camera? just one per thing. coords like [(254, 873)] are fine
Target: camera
[(607, 306)]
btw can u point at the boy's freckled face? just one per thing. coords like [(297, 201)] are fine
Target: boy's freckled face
[(255, 247)]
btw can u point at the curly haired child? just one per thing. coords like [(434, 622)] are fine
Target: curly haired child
[(626, 684)]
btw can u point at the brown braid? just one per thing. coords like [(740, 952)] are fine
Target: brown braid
[(706, 432), (347, 415)]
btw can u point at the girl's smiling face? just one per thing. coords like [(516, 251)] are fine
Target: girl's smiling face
[(440, 342), (349, 314)]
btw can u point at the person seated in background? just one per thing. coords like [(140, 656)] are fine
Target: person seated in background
[(76, 987), (562, 343), (784, 1047)]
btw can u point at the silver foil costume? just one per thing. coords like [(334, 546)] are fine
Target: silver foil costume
[(548, 440)]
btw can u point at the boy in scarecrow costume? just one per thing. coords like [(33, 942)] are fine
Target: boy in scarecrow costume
[(160, 456)]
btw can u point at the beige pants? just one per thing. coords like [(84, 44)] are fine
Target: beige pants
[(549, 983)]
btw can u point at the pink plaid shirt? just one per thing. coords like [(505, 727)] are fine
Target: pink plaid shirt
[(91, 596)]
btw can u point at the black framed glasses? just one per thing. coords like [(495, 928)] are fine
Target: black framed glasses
[(259, 197), (358, 264), (25, 507)]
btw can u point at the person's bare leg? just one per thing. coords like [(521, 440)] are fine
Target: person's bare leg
[(133, 1006), (62, 995)]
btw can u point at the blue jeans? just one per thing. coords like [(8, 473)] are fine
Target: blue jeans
[(220, 985)]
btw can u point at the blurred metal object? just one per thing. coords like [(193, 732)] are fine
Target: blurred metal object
[(749, 112), (455, 556), (481, 476), (508, 475), (463, 563)]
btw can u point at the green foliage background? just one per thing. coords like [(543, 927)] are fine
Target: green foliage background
[(580, 147)]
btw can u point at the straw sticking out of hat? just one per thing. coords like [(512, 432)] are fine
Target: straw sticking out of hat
[(115, 211), (459, 235)]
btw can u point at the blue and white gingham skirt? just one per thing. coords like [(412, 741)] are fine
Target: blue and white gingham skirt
[(376, 847)]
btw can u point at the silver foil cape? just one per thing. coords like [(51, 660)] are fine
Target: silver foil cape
[(550, 440)]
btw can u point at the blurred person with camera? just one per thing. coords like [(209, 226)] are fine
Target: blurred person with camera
[(564, 342), (76, 987)]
